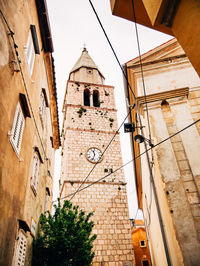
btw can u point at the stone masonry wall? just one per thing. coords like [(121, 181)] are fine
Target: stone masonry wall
[(113, 245), (85, 127)]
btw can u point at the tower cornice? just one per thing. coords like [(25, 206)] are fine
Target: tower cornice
[(91, 107), (92, 130), (91, 84)]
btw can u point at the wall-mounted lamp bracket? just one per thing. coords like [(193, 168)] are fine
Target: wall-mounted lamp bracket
[(129, 127), (139, 139)]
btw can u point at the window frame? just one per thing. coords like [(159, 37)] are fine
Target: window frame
[(143, 246)]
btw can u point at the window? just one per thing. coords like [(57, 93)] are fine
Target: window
[(31, 48), (95, 98), (145, 263), (50, 155), (89, 71), (142, 243), (20, 249), (35, 172), (47, 195), (17, 129), (86, 97), (43, 105)]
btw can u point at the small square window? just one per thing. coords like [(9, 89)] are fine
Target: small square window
[(145, 263), (89, 71), (142, 243)]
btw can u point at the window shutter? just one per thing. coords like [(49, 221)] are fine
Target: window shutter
[(20, 249), (42, 108), (35, 173), (46, 201), (30, 53), (17, 129), (35, 39)]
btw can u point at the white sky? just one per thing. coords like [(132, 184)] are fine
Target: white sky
[(73, 23)]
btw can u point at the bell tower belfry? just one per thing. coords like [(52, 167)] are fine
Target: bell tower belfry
[(90, 122)]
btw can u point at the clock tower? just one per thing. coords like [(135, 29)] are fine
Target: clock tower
[(90, 122)]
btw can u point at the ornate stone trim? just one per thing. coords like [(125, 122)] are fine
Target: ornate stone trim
[(90, 130), (162, 96)]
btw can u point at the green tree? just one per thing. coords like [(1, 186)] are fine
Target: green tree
[(64, 238)]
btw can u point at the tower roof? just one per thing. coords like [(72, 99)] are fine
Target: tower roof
[(85, 60)]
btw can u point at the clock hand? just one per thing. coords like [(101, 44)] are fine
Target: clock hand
[(93, 154)]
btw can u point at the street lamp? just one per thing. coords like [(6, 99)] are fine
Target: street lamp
[(139, 139)]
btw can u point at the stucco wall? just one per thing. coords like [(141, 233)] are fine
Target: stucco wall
[(176, 164), (17, 198)]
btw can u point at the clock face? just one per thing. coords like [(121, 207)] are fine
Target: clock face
[(94, 155)]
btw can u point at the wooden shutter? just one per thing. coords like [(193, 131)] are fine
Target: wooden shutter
[(30, 53), (17, 129), (35, 173), (42, 108), (35, 39), (20, 253)]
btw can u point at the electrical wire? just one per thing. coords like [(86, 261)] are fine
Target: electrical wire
[(124, 74), (130, 108), (114, 171), (23, 79), (136, 214), (142, 74), (102, 155)]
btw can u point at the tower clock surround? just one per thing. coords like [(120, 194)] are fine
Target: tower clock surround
[(94, 155)]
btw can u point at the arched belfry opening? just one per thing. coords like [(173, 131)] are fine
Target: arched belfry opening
[(95, 98), (86, 97)]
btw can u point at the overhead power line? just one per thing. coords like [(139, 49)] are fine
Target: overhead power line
[(11, 33), (102, 155), (124, 74), (142, 74), (114, 171)]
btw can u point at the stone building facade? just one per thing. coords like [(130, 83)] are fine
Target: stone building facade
[(170, 197), (29, 127), (90, 122)]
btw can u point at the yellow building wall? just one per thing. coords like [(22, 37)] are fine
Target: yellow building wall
[(18, 202), (141, 252)]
